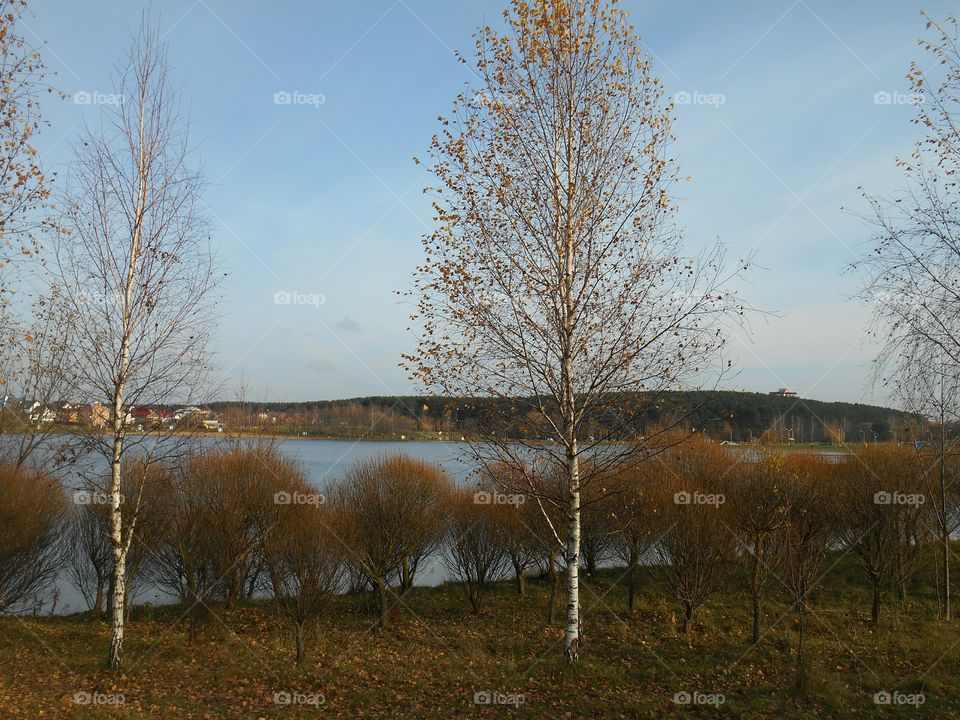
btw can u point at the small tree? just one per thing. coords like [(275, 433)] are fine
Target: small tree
[(88, 555), (807, 537), (554, 283), (697, 545), (304, 562), (758, 502), (33, 511), (517, 519), (476, 551), (867, 486), (392, 512), (135, 263), (910, 269), (637, 519)]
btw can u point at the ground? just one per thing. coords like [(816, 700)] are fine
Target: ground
[(438, 660)]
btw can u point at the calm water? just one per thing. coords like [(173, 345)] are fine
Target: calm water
[(324, 461)]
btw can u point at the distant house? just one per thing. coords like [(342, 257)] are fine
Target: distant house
[(783, 392), (142, 416), (272, 417), (95, 415), (68, 413), (39, 413)]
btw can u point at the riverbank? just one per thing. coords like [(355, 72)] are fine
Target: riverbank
[(438, 660)]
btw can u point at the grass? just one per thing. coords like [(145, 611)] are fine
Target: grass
[(437, 655)]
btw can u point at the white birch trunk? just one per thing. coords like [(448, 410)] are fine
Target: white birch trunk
[(571, 640)]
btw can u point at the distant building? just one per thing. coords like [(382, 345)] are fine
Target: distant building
[(95, 414), (783, 392)]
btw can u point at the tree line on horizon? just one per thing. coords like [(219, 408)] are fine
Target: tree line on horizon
[(734, 416)]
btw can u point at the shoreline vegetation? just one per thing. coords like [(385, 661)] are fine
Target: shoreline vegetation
[(440, 660)]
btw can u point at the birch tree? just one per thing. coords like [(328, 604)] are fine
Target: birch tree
[(136, 264), (910, 269), (555, 281)]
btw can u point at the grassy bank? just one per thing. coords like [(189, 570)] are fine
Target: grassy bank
[(437, 656)]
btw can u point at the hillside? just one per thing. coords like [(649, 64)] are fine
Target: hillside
[(723, 414)]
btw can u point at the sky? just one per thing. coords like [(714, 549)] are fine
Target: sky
[(306, 117)]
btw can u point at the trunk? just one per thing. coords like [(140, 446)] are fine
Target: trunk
[(631, 583), (521, 581), (801, 661), (755, 592), (572, 633), (756, 620), (118, 588), (300, 630), (554, 587), (591, 558), (946, 575), (98, 599), (381, 590), (944, 533), (687, 618), (875, 605)]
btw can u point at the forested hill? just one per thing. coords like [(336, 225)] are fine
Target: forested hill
[(723, 414)]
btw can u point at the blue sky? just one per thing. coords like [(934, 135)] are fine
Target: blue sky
[(321, 196)]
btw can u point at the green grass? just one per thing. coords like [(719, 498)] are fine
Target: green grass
[(436, 655)]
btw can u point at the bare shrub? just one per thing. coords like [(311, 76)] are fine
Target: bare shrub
[(476, 551), (697, 544), (32, 513), (392, 515), (304, 560)]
